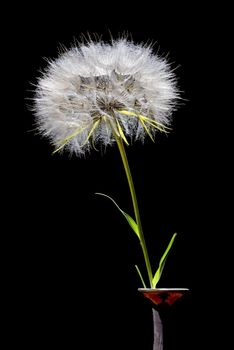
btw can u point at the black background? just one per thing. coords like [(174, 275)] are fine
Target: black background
[(76, 281)]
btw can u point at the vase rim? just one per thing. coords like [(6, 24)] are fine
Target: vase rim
[(162, 289)]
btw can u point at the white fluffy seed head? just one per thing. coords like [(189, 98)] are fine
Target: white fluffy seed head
[(95, 92)]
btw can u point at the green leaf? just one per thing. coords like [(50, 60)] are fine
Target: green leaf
[(121, 132), (145, 127), (129, 219), (151, 121), (139, 273), (92, 131), (162, 261), (70, 137), (132, 223)]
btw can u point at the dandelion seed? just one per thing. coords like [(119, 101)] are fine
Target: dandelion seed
[(93, 92)]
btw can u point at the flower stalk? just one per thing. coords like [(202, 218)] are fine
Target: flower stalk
[(124, 158)]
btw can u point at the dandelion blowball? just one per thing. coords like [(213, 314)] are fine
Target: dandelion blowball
[(96, 92)]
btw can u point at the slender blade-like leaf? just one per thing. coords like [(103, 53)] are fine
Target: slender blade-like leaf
[(121, 132), (162, 261), (147, 119), (68, 138), (132, 223), (139, 273), (146, 129), (129, 219), (92, 131)]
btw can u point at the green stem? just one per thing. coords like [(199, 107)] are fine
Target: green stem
[(135, 206)]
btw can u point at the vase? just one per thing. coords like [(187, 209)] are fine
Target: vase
[(161, 297)]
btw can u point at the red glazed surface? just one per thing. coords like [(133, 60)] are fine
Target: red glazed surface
[(163, 296)]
